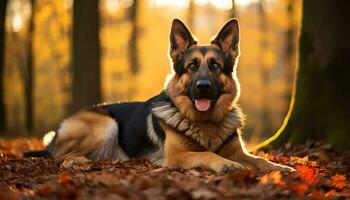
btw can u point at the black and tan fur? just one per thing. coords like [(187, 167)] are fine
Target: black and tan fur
[(170, 129)]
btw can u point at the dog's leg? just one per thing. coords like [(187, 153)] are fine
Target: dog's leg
[(236, 151), (87, 134), (179, 155)]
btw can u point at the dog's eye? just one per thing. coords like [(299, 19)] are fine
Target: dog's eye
[(214, 66), (192, 66)]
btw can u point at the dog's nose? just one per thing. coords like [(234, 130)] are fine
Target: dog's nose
[(203, 84)]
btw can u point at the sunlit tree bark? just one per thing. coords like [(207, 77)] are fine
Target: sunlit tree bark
[(86, 54), (321, 101), (3, 4)]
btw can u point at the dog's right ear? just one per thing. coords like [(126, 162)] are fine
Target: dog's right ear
[(180, 39)]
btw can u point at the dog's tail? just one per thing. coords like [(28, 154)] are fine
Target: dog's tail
[(48, 143)]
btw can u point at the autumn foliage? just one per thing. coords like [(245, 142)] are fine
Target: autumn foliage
[(321, 173)]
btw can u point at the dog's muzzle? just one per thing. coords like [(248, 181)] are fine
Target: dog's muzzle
[(203, 94)]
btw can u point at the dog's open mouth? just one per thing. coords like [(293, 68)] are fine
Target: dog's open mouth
[(202, 105)]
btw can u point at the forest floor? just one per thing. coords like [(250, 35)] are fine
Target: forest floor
[(322, 173)]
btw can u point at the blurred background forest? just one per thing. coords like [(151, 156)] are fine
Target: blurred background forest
[(130, 61)]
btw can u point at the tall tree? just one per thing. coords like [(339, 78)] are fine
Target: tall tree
[(191, 14), (321, 99), (29, 74), (233, 11), (133, 52), (290, 45), (266, 118), (3, 5), (86, 54)]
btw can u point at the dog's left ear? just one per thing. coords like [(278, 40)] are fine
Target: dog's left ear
[(228, 39), (180, 39)]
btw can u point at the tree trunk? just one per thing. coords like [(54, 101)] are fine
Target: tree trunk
[(86, 54), (191, 15), (30, 73), (264, 71), (233, 10), (133, 53), (320, 104), (290, 46), (3, 4)]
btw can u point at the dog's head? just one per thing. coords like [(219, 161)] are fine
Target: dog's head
[(204, 85)]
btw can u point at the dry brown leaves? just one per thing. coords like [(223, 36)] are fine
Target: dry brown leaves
[(322, 173)]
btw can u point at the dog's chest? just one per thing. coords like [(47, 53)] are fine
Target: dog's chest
[(209, 136)]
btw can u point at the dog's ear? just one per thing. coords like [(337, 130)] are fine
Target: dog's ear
[(180, 39), (228, 39)]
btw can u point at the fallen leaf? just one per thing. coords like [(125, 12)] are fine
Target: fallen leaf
[(313, 164), (44, 190), (274, 177), (330, 193), (317, 194), (105, 179), (64, 179), (300, 189), (307, 174), (338, 181), (203, 193), (298, 160), (266, 155)]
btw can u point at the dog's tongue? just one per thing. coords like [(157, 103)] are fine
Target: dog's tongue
[(202, 104)]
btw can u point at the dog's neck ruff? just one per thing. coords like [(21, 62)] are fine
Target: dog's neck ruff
[(209, 135)]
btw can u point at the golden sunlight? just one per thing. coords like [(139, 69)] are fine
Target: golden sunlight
[(244, 3), (201, 2), (17, 22), (112, 5), (177, 4), (222, 4), (218, 4), (18, 13), (67, 4), (115, 5)]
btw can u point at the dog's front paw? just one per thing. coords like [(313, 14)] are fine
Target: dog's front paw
[(284, 168), (277, 167), (229, 167)]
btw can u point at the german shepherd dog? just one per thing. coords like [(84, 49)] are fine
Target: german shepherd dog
[(194, 122)]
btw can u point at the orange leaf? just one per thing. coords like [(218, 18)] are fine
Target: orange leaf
[(274, 177), (266, 155), (313, 164), (300, 189), (307, 174), (64, 179), (330, 193), (317, 194), (299, 160), (338, 181), (43, 191), (283, 159)]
